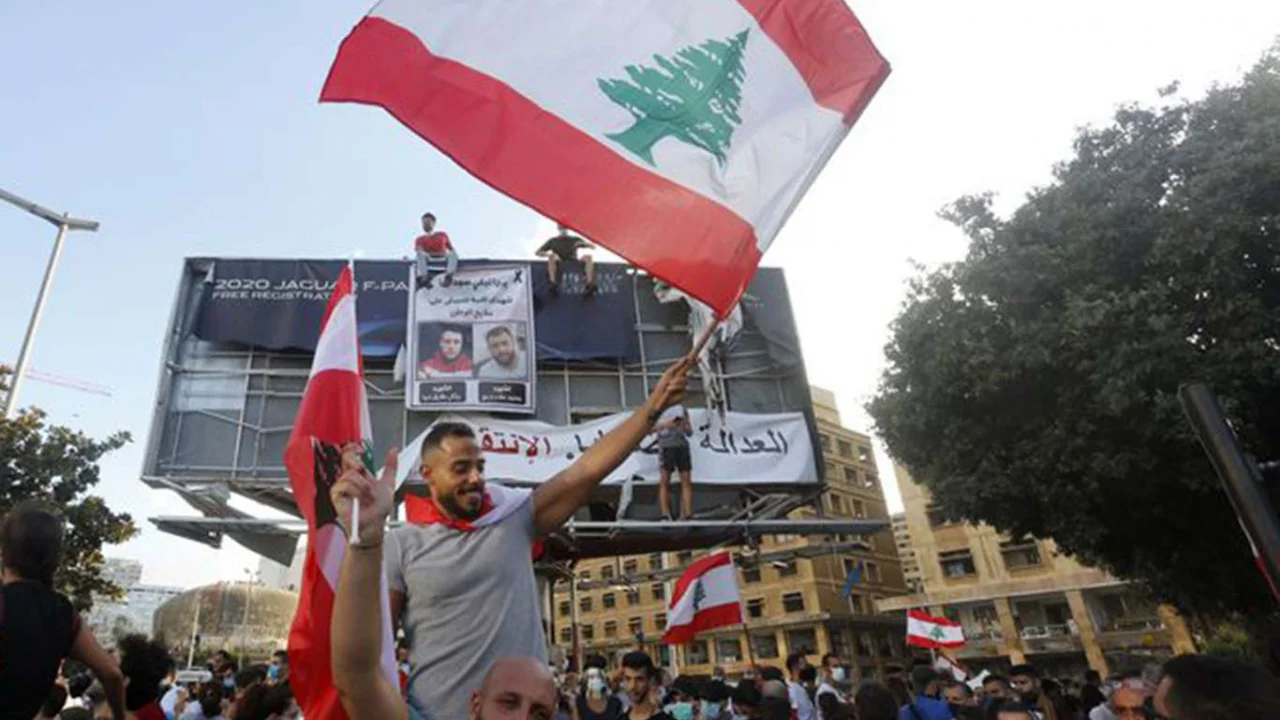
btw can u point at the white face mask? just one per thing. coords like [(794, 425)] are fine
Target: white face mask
[(838, 674), (596, 685)]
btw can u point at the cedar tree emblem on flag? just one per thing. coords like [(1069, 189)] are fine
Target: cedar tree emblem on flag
[(693, 98)]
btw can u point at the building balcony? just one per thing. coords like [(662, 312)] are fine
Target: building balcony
[(1134, 633), (1049, 639)]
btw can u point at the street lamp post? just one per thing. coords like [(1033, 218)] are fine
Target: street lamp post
[(63, 222)]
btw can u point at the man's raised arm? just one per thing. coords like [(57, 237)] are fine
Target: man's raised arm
[(356, 642), (557, 499)]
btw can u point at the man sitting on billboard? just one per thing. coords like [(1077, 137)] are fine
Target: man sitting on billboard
[(563, 250), (450, 361), (433, 249), (505, 362)]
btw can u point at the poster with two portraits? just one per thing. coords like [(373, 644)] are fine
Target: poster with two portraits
[(471, 341)]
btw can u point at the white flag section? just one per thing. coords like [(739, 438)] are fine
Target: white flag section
[(471, 343), (706, 597), (744, 448), (927, 631)]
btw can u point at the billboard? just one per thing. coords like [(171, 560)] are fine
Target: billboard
[(472, 342)]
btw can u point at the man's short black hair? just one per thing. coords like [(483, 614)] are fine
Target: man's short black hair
[(1026, 669), (964, 687), (1014, 707), (145, 663), (829, 656), (769, 672), (443, 430), (248, 677), (1092, 677), (638, 660), (1202, 687), (873, 700), (498, 330), (31, 541), (922, 676), (773, 709), (282, 655), (746, 694), (426, 215), (595, 660), (686, 686), (793, 659)]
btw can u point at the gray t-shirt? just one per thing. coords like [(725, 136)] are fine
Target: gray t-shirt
[(672, 437), (470, 598)]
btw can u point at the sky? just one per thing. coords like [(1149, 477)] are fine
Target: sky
[(193, 129)]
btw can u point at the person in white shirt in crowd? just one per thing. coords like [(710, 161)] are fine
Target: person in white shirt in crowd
[(797, 693), (829, 697)]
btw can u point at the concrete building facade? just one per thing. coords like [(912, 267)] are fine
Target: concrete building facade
[(910, 565), (1021, 600), (248, 620), (111, 618), (795, 606)]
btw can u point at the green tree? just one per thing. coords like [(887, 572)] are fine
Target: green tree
[(1033, 385), (693, 98), (60, 466)]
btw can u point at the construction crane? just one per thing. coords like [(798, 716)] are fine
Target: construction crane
[(81, 385)]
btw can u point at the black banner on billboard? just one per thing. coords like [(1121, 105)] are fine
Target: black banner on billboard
[(573, 325)]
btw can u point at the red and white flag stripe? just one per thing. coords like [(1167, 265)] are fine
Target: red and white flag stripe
[(706, 597), (334, 412), (927, 631), (680, 135)]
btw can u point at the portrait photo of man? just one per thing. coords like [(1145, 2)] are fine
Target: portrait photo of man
[(450, 358), (503, 344)]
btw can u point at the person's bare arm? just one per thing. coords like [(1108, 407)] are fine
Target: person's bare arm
[(356, 642), (558, 498), (85, 649)]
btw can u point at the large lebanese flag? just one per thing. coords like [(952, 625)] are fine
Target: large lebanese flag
[(679, 134), (926, 631), (333, 413), (706, 597)]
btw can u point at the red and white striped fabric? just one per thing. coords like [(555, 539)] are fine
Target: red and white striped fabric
[(926, 631), (678, 134), (334, 413), (706, 597)]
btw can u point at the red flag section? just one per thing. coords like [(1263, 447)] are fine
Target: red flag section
[(706, 597), (679, 135)]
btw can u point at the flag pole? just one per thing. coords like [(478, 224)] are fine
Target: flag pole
[(704, 338), (354, 540), (751, 653)]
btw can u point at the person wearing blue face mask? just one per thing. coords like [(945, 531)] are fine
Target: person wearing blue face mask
[(829, 697), (715, 698), (684, 699)]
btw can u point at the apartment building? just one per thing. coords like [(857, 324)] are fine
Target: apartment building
[(910, 566), (796, 605), (1021, 600)]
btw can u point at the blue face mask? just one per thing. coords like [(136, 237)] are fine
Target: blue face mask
[(710, 711), (680, 710), (228, 683)]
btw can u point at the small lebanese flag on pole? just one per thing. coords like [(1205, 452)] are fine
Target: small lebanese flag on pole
[(706, 597), (334, 412), (680, 135), (926, 631)]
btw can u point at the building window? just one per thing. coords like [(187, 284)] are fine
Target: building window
[(957, 563), (755, 608), (635, 626), (588, 631), (659, 591), (630, 567), (766, 646), (864, 454), (611, 629), (684, 557), (871, 481), (836, 504), (633, 597), (787, 569), (606, 572), (660, 621), (886, 647), (728, 650), (1020, 554), (858, 603), (793, 602), (858, 509), (871, 572), (845, 448), (609, 601), (803, 640), (851, 475), (751, 574), (655, 561), (565, 608), (584, 603), (824, 441), (585, 574), (566, 634), (695, 653), (865, 645)]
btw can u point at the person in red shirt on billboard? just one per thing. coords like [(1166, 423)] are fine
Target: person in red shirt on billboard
[(450, 361), (432, 248)]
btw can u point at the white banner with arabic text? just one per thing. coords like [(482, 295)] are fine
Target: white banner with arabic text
[(742, 449)]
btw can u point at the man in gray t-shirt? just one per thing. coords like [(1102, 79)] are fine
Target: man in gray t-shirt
[(673, 430), (462, 583)]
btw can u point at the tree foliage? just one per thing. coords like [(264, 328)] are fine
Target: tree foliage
[(1033, 385), (60, 466)]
